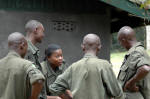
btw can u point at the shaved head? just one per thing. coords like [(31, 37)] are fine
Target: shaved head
[(14, 39), (18, 43), (32, 25), (91, 42), (126, 32), (35, 31), (126, 37)]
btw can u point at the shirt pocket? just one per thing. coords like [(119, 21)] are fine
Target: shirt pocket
[(131, 63), (123, 72)]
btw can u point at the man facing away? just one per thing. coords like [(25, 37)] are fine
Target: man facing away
[(90, 77), (19, 78)]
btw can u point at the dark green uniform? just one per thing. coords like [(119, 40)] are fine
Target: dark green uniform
[(16, 77), (135, 58), (88, 78), (50, 74), (33, 55)]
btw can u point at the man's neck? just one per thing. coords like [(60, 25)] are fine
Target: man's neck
[(33, 41), (133, 43), (91, 52), (30, 38), (18, 52)]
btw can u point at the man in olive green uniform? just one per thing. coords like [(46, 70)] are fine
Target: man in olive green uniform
[(17, 75), (134, 75), (90, 77), (35, 35)]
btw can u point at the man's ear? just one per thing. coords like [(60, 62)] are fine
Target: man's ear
[(35, 31), (83, 47), (99, 47), (21, 46)]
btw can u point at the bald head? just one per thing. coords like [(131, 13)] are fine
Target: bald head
[(32, 25), (127, 37), (126, 32), (91, 42), (35, 31), (14, 39), (18, 43)]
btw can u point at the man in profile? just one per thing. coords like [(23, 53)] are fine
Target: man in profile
[(34, 35), (134, 75)]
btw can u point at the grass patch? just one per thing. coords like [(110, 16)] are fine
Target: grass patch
[(116, 60)]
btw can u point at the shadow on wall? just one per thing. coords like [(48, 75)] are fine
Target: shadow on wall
[(3, 48)]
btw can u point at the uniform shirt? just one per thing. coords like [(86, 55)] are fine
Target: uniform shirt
[(88, 78), (50, 74), (33, 55), (135, 58), (16, 77)]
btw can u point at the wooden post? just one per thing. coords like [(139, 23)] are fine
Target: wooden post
[(148, 37)]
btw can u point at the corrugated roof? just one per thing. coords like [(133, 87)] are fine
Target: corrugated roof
[(130, 7)]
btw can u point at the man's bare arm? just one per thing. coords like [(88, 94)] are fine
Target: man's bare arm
[(141, 73), (36, 89)]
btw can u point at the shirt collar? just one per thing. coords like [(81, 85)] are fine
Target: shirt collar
[(13, 53), (134, 47), (50, 68), (89, 55), (33, 48)]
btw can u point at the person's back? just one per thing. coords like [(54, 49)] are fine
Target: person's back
[(90, 77), (12, 72), (17, 75)]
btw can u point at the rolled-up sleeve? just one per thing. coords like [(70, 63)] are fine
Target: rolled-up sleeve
[(34, 74), (137, 59)]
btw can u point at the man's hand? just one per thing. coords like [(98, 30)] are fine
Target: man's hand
[(53, 97), (68, 92), (67, 95), (140, 74), (130, 87)]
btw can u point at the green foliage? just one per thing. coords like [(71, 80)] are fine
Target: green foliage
[(115, 47), (145, 4)]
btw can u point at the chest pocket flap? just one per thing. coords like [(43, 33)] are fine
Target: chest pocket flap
[(123, 69), (123, 72)]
